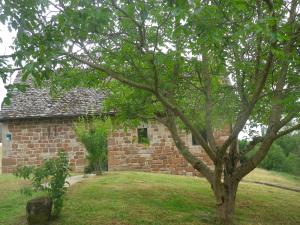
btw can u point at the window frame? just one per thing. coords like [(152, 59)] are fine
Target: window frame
[(142, 135)]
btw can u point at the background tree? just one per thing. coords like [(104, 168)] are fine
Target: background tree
[(188, 64)]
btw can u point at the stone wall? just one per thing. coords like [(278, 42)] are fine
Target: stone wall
[(34, 140), (160, 155)]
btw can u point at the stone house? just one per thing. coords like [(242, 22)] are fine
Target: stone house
[(35, 126)]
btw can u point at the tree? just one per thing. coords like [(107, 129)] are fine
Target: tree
[(188, 64)]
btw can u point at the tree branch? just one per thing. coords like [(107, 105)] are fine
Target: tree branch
[(114, 74), (252, 144), (287, 131), (194, 161), (259, 41), (244, 114), (188, 123), (275, 122), (137, 24), (208, 102), (6, 56)]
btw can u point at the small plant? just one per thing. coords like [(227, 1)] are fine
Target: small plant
[(93, 133), (143, 136), (50, 177), (144, 140)]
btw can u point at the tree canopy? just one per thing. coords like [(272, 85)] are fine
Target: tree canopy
[(191, 64)]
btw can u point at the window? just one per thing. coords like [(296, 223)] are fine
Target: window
[(204, 135), (143, 135), (8, 136)]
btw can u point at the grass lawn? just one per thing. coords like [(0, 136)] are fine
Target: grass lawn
[(123, 198), (12, 202)]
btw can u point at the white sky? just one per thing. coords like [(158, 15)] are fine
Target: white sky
[(7, 40)]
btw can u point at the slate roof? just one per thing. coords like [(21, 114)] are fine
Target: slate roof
[(37, 103)]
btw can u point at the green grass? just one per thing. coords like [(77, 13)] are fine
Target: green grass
[(12, 202), (123, 198)]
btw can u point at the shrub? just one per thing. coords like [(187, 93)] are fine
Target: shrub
[(93, 133), (283, 156), (290, 144), (49, 177), (292, 164), (274, 159)]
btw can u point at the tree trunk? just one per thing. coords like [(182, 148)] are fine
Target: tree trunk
[(226, 207)]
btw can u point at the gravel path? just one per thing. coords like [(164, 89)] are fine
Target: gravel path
[(272, 185), (78, 178)]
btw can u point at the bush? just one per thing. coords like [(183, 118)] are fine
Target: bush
[(274, 159), (88, 169), (49, 177), (93, 133), (283, 156), (290, 144), (292, 164)]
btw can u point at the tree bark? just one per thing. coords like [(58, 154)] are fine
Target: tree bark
[(226, 203)]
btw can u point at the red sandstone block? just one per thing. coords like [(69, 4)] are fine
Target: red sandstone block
[(17, 138), (80, 162), (52, 149), (115, 134), (76, 149), (8, 162), (79, 153), (25, 138), (162, 157), (5, 170)]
